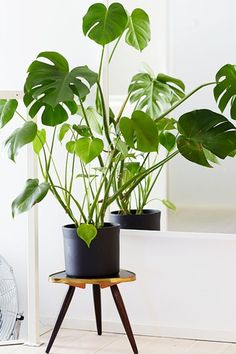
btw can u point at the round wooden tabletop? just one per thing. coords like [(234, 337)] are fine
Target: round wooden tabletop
[(124, 276)]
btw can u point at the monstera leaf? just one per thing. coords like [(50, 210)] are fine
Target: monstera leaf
[(103, 25), (87, 148), (139, 33), (167, 140), (7, 111), (39, 141), (87, 233), (19, 138), (204, 129), (94, 118), (53, 86), (225, 90), (140, 132), (32, 194), (155, 95)]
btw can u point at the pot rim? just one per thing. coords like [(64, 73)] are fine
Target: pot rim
[(107, 225), (145, 212)]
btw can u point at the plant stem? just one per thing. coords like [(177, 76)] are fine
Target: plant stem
[(75, 201), (114, 49), (105, 118), (138, 178), (122, 109), (58, 197), (101, 63), (90, 130), (184, 99), (25, 120), (71, 178)]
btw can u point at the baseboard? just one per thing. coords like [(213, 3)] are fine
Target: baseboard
[(149, 330)]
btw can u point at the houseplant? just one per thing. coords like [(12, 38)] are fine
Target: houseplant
[(93, 144), (159, 96)]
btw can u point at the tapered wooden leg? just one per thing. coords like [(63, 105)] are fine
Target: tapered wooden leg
[(61, 316), (124, 317), (97, 307)]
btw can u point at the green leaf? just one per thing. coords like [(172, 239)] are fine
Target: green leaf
[(7, 111), (169, 204), (63, 130), (95, 120), (140, 132), (104, 25), (139, 33), (167, 140), (54, 116), (192, 151), (122, 147), (19, 138), (177, 86), (32, 194), (166, 124), (39, 141), (70, 147), (204, 129), (82, 130), (211, 157), (87, 233), (155, 95), (134, 167), (53, 85), (88, 148), (225, 89)]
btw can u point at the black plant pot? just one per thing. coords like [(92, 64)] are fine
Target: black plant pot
[(100, 260), (149, 220)]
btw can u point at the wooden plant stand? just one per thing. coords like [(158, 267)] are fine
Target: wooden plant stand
[(123, 277)]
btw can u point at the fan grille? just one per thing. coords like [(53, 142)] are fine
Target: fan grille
[(8, 301)]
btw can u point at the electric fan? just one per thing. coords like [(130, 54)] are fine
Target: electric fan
[(9, 312)]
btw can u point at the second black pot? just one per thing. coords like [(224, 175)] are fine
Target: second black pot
[(149, 220), (102, 259)]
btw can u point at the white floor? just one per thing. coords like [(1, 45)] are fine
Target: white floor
[(81, 342)]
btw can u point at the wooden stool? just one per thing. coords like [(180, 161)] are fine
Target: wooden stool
[(123, 277)]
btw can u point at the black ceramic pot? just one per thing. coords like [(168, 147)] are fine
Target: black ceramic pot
[(149, 220), (100, 260)]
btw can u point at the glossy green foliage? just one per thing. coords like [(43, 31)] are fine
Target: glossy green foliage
[(139, 33), (203, 129), (87, 232), (87, 148), (140, 132), (20, 137), (103, 25), (32, 194), (54, 87), (39, 141), (7, 111), (225, 89), (155, 95)]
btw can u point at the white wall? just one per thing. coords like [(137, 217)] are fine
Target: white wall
[(200, 43)]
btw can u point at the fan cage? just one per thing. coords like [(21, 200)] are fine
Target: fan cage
[(9, 306)]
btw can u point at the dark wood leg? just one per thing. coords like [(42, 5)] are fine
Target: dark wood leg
[(97, 307), (61, 316), (124, 317)]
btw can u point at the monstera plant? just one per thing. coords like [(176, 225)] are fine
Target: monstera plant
[(88, 156), (201, 136)]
